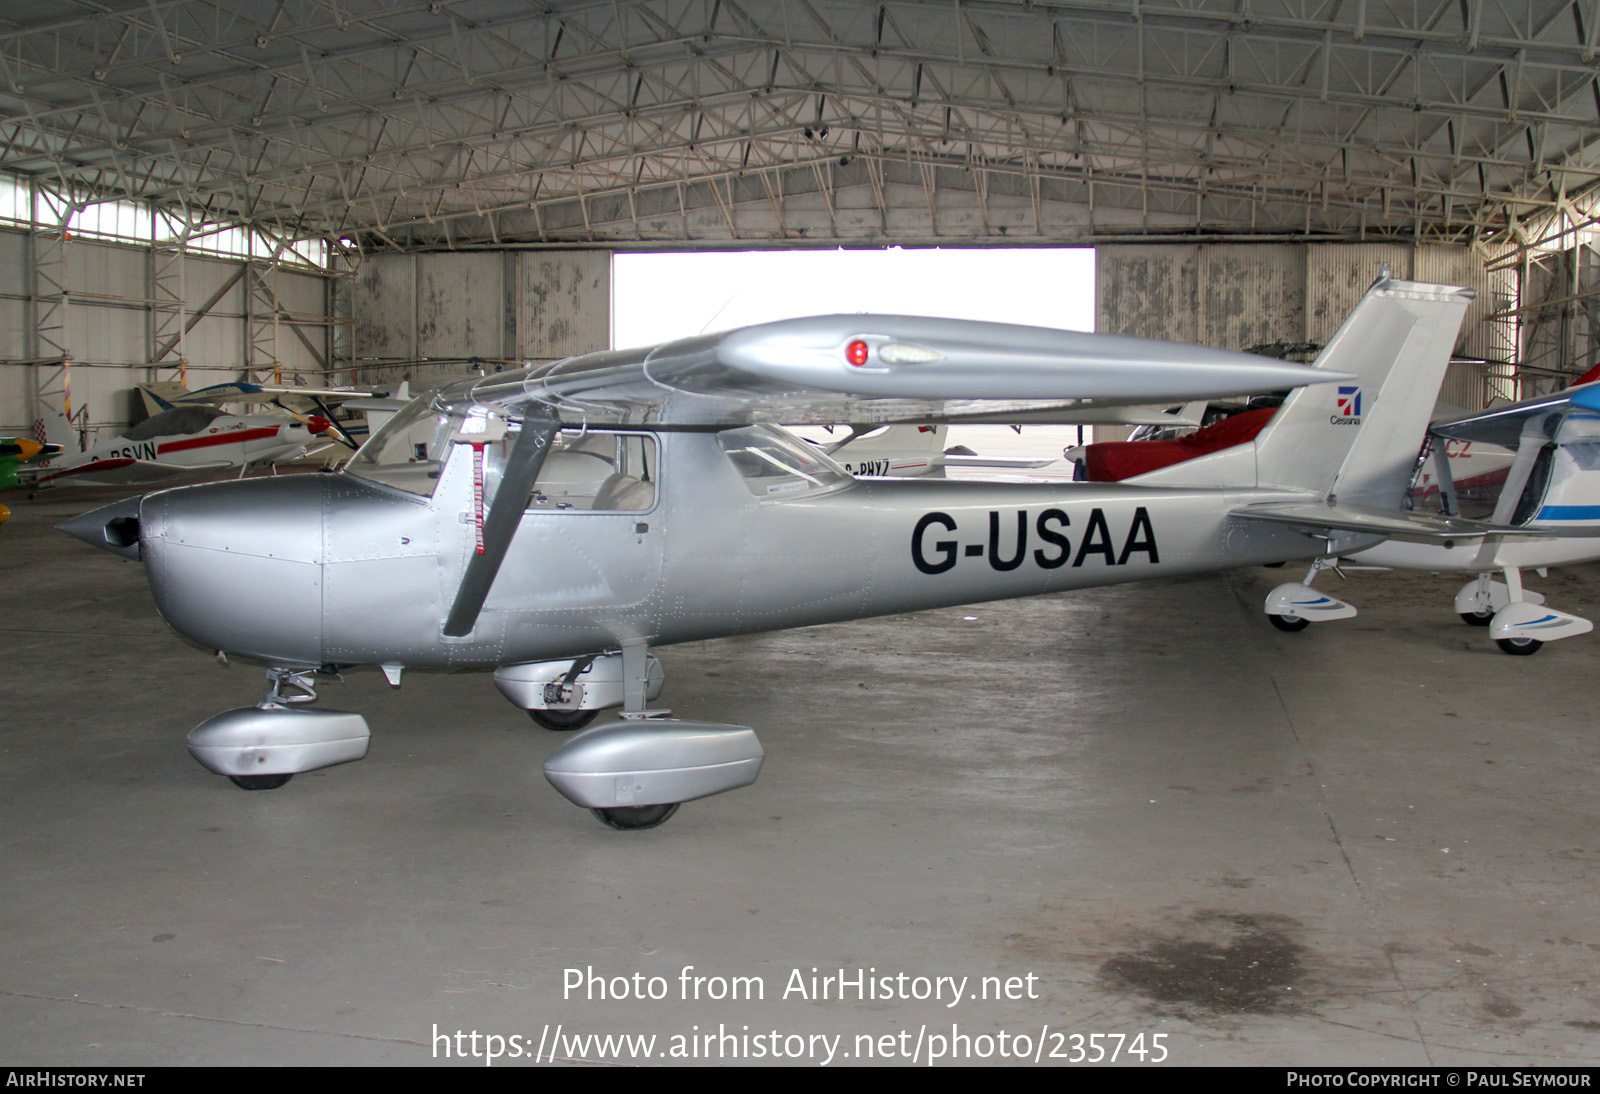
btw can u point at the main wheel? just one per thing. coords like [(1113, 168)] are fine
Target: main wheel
[(1478, 619), (1290, 623), (1519, 647), (633, 818), (563, 720), (259, 782)]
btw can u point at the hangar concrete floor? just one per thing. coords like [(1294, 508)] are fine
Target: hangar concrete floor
[(1142, 810)]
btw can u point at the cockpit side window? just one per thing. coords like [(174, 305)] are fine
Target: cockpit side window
[(586, 471)]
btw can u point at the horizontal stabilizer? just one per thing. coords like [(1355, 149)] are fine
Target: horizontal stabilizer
[(1316, 517)]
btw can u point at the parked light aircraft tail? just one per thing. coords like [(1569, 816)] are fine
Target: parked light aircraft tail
[(1359, 447), (1398, 347), (554, 524), (16, 451)]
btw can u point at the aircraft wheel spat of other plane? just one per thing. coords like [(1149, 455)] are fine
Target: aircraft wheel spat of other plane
[(553, 525)]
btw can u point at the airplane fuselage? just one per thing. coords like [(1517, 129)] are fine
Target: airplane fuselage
[(227, 441), (321, 569)]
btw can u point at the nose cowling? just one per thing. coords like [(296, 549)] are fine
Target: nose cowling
[(237, 566), (113, 528)]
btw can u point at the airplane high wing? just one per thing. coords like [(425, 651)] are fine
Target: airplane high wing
[(553, 525), (873, 370), (165, 395)]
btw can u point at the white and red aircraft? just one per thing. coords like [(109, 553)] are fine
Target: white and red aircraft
[(180, 443)]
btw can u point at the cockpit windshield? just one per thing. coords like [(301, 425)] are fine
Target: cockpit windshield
[(408, 451), (174, 422)]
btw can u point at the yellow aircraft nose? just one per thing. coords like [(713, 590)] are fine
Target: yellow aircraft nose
[(5, 514), (27, 449)]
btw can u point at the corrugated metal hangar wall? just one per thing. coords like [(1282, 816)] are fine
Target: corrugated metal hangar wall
[(1240, 296), (113, 304), (498, 305)]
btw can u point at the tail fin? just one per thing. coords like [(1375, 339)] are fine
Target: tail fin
[(158, 395), (58, 430), (1357, 440)]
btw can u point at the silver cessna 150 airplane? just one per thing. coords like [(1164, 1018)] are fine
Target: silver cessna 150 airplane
[(553, 524)]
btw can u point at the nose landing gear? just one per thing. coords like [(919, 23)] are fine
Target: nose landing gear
[(262, 747)]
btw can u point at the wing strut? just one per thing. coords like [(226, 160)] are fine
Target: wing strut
[(539, 429)]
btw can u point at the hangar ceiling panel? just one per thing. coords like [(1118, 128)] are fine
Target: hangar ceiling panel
[(464, 122)]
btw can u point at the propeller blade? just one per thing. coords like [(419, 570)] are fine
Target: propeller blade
[(516, 486)]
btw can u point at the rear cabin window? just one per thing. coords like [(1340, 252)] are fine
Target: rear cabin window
[(775, 464)]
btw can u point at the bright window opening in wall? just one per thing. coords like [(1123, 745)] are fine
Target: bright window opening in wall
[(659, 297), (139, 222)]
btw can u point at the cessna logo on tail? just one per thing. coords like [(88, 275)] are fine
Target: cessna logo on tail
[(1348, 406), (1006, 546)]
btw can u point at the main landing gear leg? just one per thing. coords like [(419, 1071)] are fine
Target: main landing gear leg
[(634, 774), (635, 679)]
